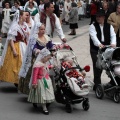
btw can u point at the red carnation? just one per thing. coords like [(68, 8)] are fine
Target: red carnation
[(87, 68)]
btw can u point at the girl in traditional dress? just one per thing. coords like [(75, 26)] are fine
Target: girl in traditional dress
[(14, 49), (41, 89), (37, 42), (6, 19)]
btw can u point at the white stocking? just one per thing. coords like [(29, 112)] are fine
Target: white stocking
[(44, 107)]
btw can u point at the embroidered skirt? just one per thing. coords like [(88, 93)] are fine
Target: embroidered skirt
[(42, 94), (10, 69)]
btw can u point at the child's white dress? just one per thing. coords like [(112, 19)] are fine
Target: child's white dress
[(43, 93)]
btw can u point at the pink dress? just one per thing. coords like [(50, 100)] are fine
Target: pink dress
[(44, 92)]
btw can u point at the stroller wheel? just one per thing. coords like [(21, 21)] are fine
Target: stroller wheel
[(35, 105), (68, 108), (116, 97), (99, 92), (86, 105)]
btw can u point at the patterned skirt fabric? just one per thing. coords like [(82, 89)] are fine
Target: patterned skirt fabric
[(24, 82), (42, 94), (10, 69)]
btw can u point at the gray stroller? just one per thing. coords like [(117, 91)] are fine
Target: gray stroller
[(108, 60)]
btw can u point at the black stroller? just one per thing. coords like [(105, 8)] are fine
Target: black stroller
[(65, 92), (108, 58)]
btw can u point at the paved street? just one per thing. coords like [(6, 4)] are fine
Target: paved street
[(14, 106)]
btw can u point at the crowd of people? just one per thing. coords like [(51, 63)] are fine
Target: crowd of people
[(29, 27), (62, 10)]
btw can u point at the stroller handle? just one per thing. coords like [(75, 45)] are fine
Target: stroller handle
[(104, 48)]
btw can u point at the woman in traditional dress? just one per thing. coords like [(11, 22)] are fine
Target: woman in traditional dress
[(36, 43), (14, 49), (30, 1), (29, 21), (33, 10), (16, 6), (41, 89)]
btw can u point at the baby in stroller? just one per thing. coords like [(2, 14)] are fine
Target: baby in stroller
[(70, 80), (77, 76)]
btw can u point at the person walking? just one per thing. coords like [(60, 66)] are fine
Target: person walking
[(37, 42), (41, 89), (30, 1), (101, 33), (32, 9), (50, 20), (93, 10), (79, 5), (17, 6), (14, 49), (6, 19), (73, 18), (114, 20), (29, 21), (67, 6), (106, 9)]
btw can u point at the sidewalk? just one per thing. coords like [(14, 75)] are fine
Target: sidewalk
[(80, 45)]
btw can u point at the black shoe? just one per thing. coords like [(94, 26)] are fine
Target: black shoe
[(72, 34), (45, 112)]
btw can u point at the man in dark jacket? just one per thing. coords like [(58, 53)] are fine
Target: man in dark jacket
[(101, 33)]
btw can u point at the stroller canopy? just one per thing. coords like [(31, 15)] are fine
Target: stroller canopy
[(110, 55)]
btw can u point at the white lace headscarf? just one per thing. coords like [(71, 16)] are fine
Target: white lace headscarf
[(44, 52), (28, 55)]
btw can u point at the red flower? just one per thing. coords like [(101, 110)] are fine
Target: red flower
[(87, 68)]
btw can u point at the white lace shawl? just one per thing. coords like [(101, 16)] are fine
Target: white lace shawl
[(28, 56), (11, 36)]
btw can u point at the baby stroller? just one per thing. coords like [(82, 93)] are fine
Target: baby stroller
[(109, 60), (66, 91)]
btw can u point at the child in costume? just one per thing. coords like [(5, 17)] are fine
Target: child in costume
[(41, 89)]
